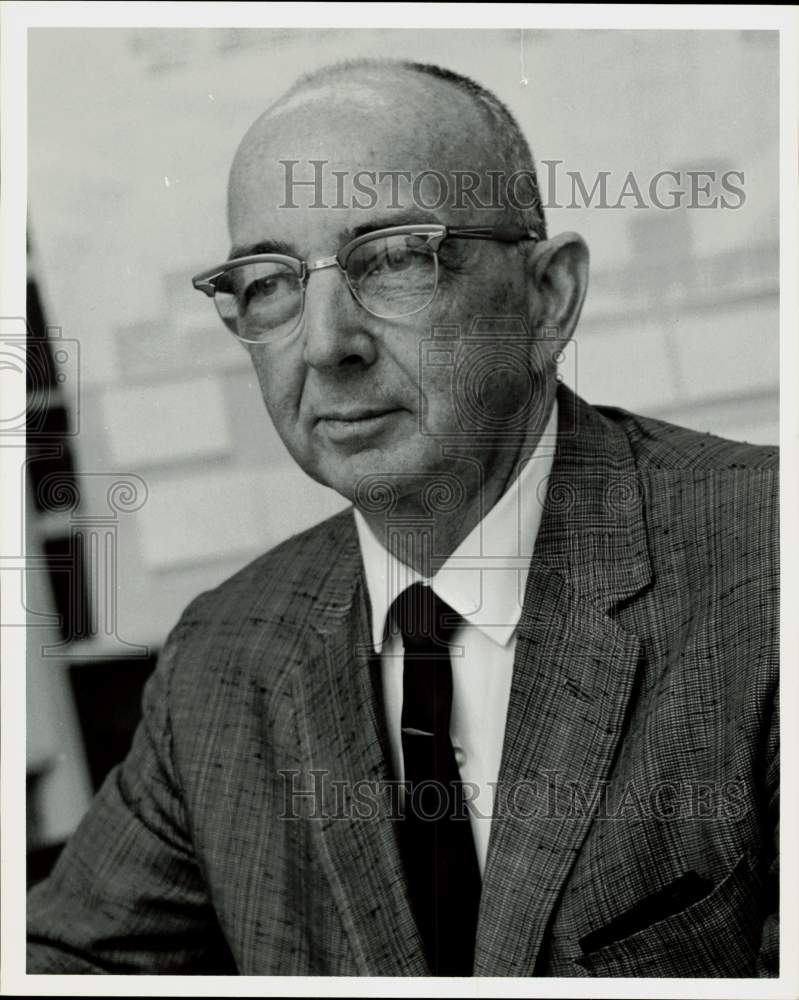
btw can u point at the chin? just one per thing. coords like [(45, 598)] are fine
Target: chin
[(371, 487), (340, 475)]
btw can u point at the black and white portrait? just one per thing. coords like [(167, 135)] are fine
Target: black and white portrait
[(399, 476)]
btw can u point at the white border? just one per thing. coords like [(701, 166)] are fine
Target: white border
[(16, 19), (399, 15)]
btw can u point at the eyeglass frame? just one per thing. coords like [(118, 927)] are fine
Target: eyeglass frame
[(205, 281)]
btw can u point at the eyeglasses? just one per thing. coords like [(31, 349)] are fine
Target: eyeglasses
[(390, 272)]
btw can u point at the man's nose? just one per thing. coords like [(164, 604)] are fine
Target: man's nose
[(335, 327)]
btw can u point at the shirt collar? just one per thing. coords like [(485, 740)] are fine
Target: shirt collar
[(484, 578)]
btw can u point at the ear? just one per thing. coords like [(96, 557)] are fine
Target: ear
[(560, 273)]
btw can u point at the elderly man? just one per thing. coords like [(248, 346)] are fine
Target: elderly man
[(514, 713)]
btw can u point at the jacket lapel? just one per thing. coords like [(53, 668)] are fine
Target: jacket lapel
[(573, 677), (343, 738)]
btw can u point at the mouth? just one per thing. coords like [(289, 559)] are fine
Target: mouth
[(343, 425)]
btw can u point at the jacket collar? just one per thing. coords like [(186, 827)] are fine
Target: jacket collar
[(593, 529)]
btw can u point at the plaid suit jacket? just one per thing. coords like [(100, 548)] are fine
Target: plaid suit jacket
[(635, 833)]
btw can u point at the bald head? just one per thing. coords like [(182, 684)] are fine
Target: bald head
[(399, 116)]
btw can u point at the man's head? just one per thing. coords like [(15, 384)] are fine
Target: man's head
[(354, 395)]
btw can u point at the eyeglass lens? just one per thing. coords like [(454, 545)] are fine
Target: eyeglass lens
[(390, 276)]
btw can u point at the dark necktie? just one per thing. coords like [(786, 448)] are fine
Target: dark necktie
[(436, 839)]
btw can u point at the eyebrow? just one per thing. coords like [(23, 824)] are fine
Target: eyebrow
[(263, 246), (350, 233), (406, 218)]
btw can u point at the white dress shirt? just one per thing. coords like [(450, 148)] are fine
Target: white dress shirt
[(484, 581)]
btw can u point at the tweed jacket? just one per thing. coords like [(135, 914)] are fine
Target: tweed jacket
[(252, 828)]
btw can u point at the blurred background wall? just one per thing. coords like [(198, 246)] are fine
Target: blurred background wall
[(153, 470)]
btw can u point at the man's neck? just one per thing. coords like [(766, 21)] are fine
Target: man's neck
[(425, 527)]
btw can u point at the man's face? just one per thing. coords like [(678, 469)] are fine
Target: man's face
[(353, 395)]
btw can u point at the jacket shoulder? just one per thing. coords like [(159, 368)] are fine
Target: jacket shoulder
[(287, 577), (658, 444), (241, 638)]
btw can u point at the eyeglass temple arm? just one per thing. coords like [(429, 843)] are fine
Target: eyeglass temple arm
[(503, 234)]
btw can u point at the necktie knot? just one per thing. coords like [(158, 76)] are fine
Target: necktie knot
[(425, 621)]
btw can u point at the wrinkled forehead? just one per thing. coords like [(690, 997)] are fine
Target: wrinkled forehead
[(347, 149)]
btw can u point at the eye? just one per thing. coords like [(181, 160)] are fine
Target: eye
[(259, 300), (398, 258), (389, 257), (385, 257), (263, 288), (258, 286)]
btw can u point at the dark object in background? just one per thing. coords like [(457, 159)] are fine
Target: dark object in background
[(41, 374), (40, 862), (67, 571), (40, 368), (34, 314), (50, 464), (107, 697)]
